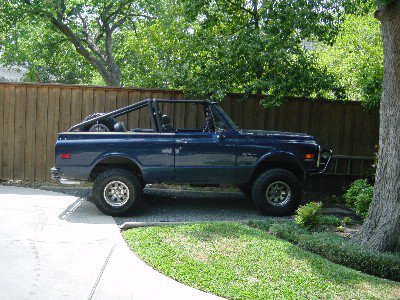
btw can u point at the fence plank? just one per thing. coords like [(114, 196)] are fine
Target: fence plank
[(133, 117), (367, 121), (41, 133), (53, 113), (248, 113), (348, 125), (65, 109), (1, 129), (122, 100), (76, 106), (30, 133), (99, 101), (356, 131), (143, 112), (19, 132), (304, 116), (8, 135), (88, 103), (180, 110)]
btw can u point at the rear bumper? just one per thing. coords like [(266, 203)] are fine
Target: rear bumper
[(55, 175)]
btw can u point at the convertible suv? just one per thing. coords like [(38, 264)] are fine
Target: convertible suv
[(270, 167)]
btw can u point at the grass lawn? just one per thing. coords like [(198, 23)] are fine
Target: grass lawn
[(239, 262)]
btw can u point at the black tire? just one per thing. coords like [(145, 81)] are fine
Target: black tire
[(108, 122), (284, 192), (246, 189), (125, 192)]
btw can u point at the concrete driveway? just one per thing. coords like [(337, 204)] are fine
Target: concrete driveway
[(56, 246)]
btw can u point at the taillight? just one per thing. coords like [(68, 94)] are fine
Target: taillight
[(65, 155), (309, 156)]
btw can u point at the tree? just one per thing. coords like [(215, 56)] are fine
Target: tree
[(208, 48), (47, 54), (89, 26), (258, 46), (356, 58), (381, 229)]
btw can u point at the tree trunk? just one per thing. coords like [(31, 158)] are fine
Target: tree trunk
[(111, 78), (381, 230), (103, 63)]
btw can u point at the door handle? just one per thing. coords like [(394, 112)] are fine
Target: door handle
[(181, 141)]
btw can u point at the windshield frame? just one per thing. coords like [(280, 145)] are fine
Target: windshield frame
[(224, 115)]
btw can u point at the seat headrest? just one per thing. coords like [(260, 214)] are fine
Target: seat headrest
[(165, 120), (120, 127)]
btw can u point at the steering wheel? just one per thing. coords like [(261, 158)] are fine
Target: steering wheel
[(209, 125)]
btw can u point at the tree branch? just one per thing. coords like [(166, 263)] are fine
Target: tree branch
[(92, 45), (68, 33), (241, 7)]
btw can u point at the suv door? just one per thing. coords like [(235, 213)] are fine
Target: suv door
[(206, 157)]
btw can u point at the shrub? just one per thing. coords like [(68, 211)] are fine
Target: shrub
[(340, 250), (359, 196), (309, 215), (354, 190), (363, 201), (330, 220)]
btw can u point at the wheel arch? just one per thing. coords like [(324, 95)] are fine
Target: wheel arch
[(282, 160), (119, 161)]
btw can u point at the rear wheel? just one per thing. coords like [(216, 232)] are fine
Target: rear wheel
[(277, 192), (116, 191), (103, 125)]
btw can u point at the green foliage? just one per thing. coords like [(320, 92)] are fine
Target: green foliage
[(258, 47), (359, 196), (340, 250), (235, 261), (207, 48), (67, 41), (309, 215), (48, 56), (363, 201), (356, 58), (330, 220)]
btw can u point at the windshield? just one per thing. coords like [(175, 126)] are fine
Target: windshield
[(226, 117)]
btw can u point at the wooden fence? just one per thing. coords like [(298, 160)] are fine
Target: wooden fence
[(31, 115)]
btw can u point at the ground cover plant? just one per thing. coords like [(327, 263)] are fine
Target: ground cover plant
[(309, 215), (236, 261), (337, 249)]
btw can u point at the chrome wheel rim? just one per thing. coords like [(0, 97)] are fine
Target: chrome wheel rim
[(116, 193), (99, 128), (278, 193)]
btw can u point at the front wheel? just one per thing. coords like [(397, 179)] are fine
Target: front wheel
[(277, 192), (116, 191)]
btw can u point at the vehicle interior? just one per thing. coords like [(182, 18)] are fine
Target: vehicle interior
[(156, 115)]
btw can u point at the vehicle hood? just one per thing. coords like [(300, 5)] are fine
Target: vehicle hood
[(278, 135)]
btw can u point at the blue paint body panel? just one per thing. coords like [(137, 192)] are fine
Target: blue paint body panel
[(224, 155), (184, 157)]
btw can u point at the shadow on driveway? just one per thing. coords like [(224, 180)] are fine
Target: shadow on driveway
[(160, 205)]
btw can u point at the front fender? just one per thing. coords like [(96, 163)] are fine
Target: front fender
[(280, 159)]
